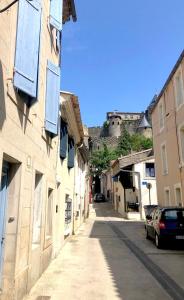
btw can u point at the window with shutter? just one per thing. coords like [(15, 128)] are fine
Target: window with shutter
[(56, 13), (27, 47), (63, 139), (71, 153), (52, 98)]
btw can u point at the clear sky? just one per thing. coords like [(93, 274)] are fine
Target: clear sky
[(119, 53)]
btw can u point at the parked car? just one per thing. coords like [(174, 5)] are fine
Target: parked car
[(148, 210), (99, 197), (165, 225)]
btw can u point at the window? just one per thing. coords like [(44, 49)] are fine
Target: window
[(178, 85), (27, 48), (178, 194), (174, 214), (161, 115), (37, 209), (167, 196), (68, 210), (164, 159), (182, 143), (49, 214), (150, 169)]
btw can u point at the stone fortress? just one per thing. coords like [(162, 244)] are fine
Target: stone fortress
[(114, 126)]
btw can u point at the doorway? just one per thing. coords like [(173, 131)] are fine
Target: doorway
[(3, 205)]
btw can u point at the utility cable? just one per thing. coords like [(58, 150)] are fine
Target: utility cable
[(9, 5)]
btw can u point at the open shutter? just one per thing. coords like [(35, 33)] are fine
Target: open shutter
[(52, 98), (56, 13), (27, 47), (71, 153), (63, 139)]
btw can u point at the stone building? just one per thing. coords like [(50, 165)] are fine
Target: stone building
[(30, 48), (115, 124)]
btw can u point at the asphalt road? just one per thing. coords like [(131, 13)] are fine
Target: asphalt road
[(164, 267), (110, 259)]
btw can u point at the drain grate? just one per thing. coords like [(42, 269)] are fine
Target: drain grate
[(43, 298)]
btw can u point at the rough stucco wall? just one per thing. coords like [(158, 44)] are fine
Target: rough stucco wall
[(168, 135), (22, 137)]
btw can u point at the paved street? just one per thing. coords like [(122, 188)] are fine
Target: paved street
[(110, 258)]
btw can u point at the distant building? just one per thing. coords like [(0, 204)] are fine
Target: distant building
[(115, 124), (168, 138), (130, 183)]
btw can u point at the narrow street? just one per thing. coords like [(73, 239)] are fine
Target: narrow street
[(110, 258)]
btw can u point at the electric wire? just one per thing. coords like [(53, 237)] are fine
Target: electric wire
[(8, 6)]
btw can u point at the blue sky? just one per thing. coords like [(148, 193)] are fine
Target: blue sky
[(120, 53)]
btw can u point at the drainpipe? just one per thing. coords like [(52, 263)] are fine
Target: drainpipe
[(139, 185)]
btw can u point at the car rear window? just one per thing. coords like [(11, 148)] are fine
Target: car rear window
[(173, 214)]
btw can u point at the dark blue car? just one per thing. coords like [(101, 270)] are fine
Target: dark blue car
[(165, 225)]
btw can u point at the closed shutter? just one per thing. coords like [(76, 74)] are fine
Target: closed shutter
[(71, 153), (56, 13), (63, 139), (27, 47), (52, 98)]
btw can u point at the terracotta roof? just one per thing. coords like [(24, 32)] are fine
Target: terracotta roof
[(144, 123), (69, 11), (135, 158)]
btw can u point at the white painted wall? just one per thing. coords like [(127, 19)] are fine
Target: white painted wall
[(140, 167)]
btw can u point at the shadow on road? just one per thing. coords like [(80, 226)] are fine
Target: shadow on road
[(122, 252)]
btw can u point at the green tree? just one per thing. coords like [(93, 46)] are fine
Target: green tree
[(139, 142), (100, 159), (124, 145)]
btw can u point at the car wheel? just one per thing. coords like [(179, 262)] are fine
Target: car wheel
[(158, 241)]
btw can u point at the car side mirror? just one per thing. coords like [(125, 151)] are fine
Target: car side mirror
[(148, 217)]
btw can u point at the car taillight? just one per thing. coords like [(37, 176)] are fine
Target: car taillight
[(161, 225)]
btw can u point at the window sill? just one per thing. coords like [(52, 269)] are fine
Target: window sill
[(178, 107), (35, 246), (164, 174)]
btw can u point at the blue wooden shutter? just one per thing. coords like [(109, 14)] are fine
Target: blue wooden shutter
[(63, 139), (27, 47), (56, 13), (71, 153), (52, 98)]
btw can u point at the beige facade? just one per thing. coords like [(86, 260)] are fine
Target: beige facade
[(74, 181), (167, 122), (32, 220)]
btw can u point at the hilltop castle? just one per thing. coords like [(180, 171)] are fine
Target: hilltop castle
[(115, 124)]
